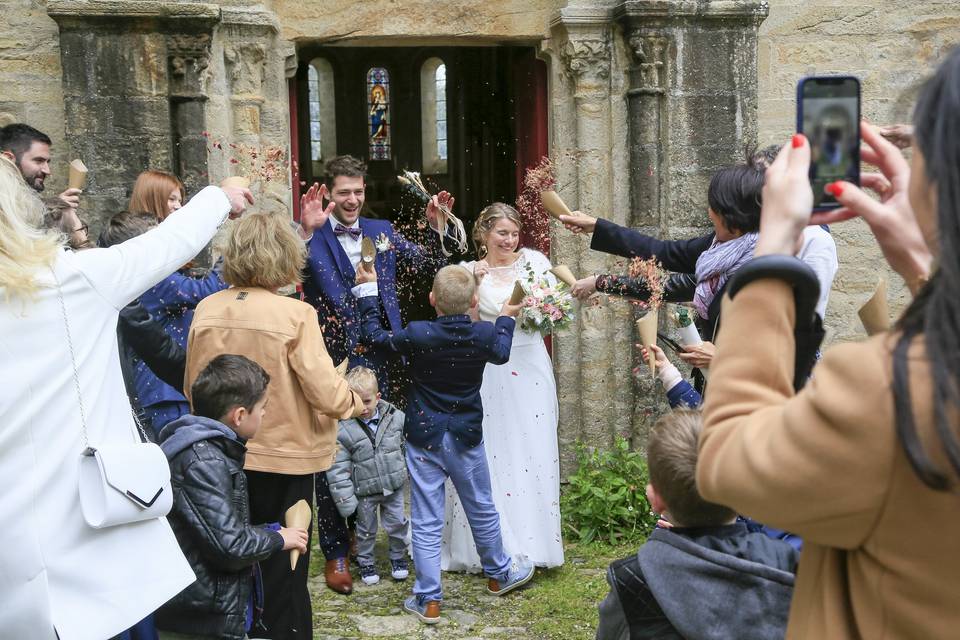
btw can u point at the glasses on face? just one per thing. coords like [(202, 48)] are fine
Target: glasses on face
[(84, 228)]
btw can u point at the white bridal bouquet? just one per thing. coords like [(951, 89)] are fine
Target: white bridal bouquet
[(546, 307)]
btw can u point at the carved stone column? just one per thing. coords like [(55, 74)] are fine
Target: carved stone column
[(592, 360), (692, 109), (127, 67)]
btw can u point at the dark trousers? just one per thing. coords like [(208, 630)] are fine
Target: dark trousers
[(287, 614), (332, 530)]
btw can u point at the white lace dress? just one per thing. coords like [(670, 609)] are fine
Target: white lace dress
[(520, 436)]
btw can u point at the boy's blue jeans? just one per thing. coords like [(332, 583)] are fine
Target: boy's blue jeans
[(467, 469)]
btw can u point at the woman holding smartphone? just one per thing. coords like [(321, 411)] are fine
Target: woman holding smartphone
[(871, 442)]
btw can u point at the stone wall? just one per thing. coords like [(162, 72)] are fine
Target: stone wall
[(892, 45), (409, 22), (30, 86)]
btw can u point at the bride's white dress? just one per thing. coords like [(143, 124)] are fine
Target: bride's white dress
[(520, 437)]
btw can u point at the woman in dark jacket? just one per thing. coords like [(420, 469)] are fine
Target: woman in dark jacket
[(702, 266)]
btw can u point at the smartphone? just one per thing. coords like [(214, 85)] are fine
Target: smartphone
[(828, 114)]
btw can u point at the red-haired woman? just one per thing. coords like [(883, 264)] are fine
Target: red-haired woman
[(171, 301)]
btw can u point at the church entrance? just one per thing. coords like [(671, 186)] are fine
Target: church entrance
[(469, 119)]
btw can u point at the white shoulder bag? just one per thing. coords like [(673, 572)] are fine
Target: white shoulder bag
[(120, 482)]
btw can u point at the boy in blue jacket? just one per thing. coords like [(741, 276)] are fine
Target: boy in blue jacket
[(444, 427)]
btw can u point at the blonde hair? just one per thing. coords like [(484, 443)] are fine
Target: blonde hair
[(453, 289), (262, 250), (25, 244), (362, 380), (672, 461), (151, 192), (488, 219)]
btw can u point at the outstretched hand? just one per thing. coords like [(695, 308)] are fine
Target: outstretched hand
[(434, 207), (579, 222), (239, 198), (313, 213), (512, 310)]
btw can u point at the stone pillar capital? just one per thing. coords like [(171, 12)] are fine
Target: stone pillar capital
[(587, 58), (650, 56)]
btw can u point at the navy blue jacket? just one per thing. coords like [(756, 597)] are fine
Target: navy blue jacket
[(446, 358)]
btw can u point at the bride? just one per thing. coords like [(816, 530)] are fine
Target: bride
[(519, 412)]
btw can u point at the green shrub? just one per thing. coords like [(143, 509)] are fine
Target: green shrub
[(606, 498)]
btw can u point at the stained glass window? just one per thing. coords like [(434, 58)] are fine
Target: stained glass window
[(433, 115), (313, 82), (323, 121), (378, 109), (441, 83)]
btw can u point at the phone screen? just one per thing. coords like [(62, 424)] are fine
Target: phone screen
[(829, 115)]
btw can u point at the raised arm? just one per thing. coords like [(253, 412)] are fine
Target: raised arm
[(503, 340), (124, 271), (674, 255), (778, 457), (178, 289), (372, 332)]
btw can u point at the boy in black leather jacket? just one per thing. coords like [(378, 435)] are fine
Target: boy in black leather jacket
[(211, 513)]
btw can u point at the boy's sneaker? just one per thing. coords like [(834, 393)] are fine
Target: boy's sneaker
[(520, 573), (427, 610), (369, 575), (399, 569)]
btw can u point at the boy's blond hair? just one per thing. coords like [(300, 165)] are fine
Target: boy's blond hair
[(672, 461), (453, 290), (262, 250), (362, 380)]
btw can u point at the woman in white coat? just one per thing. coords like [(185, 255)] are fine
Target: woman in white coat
[(59, 576)]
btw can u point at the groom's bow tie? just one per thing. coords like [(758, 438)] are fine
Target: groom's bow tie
[(355, 232)]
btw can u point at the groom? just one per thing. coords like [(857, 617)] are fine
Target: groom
[(333, 235)]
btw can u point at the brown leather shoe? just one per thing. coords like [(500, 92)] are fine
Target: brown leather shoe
[(337, 574)]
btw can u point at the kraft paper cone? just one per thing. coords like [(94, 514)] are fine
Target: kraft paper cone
[(518, 293), (368, 252), (342, 367), (299, 516), (78, 175), (554, 205), (874, 314), (240, 182), (647, 328), (564, 274)]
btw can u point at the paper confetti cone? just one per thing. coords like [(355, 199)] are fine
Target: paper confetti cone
[(78, 175), (518, 293), (564, 274), (368, 252), (875, 314), (240, 182), (299, 515), (554, 205), (342, 367), (647, 328)]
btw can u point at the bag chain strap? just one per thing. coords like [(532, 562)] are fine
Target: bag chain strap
[(76, 374)]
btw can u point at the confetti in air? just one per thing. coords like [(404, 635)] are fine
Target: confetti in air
[(411, 180), (250, 161), (652, 274)]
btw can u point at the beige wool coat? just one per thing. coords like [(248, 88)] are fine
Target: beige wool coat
[(306, 395), (881, 552)]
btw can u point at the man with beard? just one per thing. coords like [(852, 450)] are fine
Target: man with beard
[(29, 149)]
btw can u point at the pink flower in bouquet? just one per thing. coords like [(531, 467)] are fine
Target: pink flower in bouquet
[(529, 301)]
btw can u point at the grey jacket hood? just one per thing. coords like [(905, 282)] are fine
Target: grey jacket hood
[(710, 595), (187, 430)]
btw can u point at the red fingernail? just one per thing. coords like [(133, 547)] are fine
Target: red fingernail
[(835, 188), (798, 140)]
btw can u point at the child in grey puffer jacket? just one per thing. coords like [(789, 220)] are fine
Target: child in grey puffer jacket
[(370, 474)]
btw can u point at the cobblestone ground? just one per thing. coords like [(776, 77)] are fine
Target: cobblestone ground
[(559, 604)]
